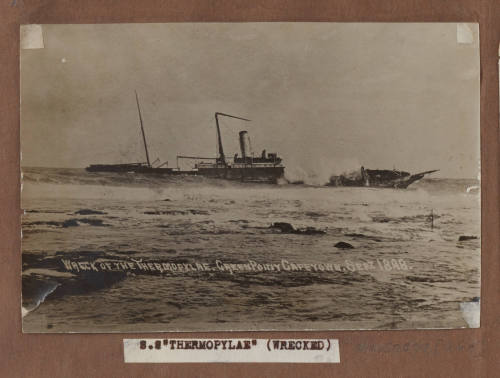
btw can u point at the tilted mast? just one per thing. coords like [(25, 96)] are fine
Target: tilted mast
[(222, 157), (142, 129)]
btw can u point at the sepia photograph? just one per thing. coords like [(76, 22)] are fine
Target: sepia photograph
[(250, 176)]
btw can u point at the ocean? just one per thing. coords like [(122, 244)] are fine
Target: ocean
[(110, 252)]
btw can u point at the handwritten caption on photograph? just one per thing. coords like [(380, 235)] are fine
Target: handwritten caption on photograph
[(231, 350), (232, 268)]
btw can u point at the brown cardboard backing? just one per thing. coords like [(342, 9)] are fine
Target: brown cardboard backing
[(443, 353)]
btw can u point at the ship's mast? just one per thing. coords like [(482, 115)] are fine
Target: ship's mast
[(222, 157), (142, 129)]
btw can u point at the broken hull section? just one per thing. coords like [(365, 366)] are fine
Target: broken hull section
[(378, 178)]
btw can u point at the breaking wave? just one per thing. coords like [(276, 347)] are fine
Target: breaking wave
[(320, 172), (79, 176)]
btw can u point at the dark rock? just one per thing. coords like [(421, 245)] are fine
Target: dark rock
[(198, 212), (309, 231), (88, 212), (176, 212), (94, 222), (70, 223), (343, 245), (166, 212), (465, 237), (73, 222), (427, 279), (381, 219), (91, 222), (284, 227), (287, 228), (314, 214), (47, 223)]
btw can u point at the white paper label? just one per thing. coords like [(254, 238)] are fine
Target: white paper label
[(231, 350), (31, 37), (465, 35)]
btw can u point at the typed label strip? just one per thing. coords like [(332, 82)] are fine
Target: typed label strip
[(231, 350)]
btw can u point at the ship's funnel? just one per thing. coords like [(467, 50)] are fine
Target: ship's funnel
[(245, 145)]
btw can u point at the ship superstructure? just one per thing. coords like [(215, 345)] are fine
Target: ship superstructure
[(266, 167)]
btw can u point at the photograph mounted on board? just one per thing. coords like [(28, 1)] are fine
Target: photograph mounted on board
[(250, 176)]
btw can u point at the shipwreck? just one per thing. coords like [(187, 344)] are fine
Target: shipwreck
[(379, 178), (266, 167)]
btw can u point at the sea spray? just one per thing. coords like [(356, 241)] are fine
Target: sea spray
[(321, 171)]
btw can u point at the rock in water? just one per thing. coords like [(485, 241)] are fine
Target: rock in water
[(284, 227), (343, 245), (465, 237), (88, 212), (70, 223), (310, 231), (287, 228)]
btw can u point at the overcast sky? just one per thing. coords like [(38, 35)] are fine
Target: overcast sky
[(325, 96)]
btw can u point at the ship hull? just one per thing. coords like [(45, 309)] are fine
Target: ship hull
[(395, 185), (135, 168), (244, 174)]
